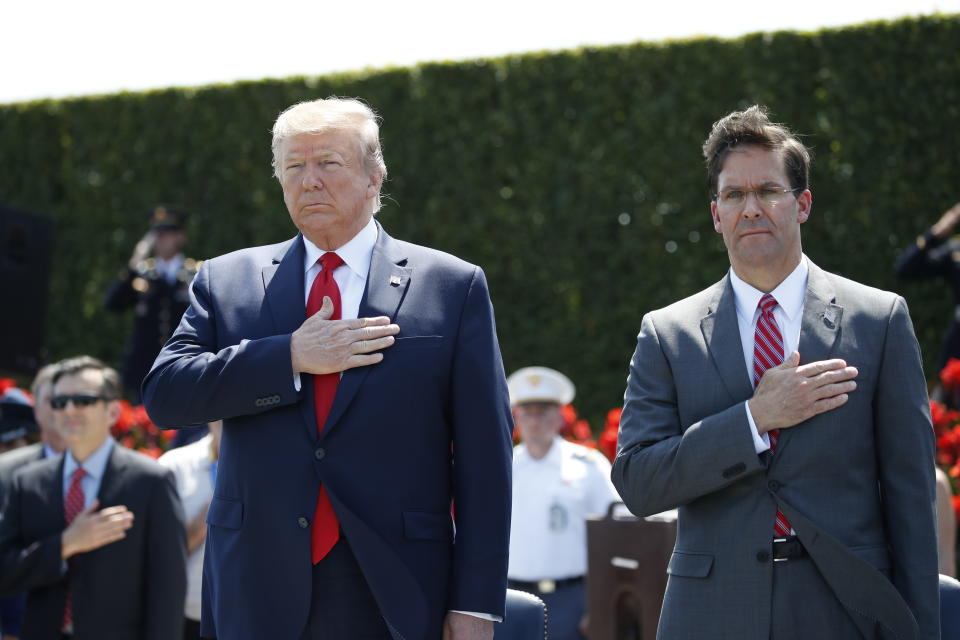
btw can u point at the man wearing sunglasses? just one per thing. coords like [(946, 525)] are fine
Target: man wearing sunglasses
[(96, 536), (784, 412)]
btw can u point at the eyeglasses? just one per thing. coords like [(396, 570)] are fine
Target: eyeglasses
[(79, 400), (768, 196)]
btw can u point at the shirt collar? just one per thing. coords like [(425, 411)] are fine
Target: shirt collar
[(94, 465), (789, 294), (356, 254)]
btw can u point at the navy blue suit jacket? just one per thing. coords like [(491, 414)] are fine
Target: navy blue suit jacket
[(427, 427)]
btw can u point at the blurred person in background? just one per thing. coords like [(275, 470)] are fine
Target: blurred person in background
[(936, 255), (96, 536), (556, 485), (156, 283), (18, 428), (49, 446), (195, 468)]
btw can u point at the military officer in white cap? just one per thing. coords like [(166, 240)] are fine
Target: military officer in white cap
[(556, 485)]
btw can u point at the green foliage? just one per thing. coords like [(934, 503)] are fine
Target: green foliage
[(574, 178)]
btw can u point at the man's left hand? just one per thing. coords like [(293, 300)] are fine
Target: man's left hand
[(461, 626)]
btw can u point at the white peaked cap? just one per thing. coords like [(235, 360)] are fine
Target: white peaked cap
[(540, 384)]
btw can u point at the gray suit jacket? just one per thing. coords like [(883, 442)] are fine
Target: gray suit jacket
[(857, 482)]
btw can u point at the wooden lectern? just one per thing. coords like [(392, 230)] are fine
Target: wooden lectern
[(627, 573)]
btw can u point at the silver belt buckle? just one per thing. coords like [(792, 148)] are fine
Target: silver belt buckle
[(546, 586), (776, 540)]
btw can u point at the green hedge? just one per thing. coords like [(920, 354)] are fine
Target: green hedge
[(574, 178)]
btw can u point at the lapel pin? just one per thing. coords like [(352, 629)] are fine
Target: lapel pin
[(395, 281), (830, 318)]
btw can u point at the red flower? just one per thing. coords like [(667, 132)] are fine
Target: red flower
[(608, 439), (956, 506), (153, 451), (950, 375)]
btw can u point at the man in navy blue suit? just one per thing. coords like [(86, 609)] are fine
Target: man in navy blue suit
[(364, 403)]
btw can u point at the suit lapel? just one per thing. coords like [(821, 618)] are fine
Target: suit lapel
[(819, 330), (721, 333), (283, 288), (387, 283), (56, 493), (112, 481)]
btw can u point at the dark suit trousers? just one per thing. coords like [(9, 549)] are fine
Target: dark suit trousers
[(342, 607), (804, 607)]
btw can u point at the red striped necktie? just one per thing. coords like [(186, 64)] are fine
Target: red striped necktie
[(72, 505), (325, 530), (768, 352)]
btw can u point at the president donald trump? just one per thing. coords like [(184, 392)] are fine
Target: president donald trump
[(364, 401)]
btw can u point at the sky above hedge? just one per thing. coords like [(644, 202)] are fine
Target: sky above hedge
[(66, 48)]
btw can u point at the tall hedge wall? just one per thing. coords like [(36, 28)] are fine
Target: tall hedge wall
[(574, 178)]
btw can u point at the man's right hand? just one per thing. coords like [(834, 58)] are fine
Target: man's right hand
[(790, 393), (142, 249), (944, 226), (322, 345), (92, 529)]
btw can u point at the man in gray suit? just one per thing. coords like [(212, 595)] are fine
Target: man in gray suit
[(784, 412)]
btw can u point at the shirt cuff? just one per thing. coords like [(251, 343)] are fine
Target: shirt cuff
[(296, 383), (760, 442), (483, 616)]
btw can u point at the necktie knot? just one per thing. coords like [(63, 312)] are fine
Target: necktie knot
[(330, 261), (768, 303), (78, 474)]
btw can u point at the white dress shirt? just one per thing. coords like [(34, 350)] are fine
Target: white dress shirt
[(351, 276), (788, 313), (169, 269), (95, 465)]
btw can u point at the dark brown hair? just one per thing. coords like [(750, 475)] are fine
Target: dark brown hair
[(73, 366), (752, 126)]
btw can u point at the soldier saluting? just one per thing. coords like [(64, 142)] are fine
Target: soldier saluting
[(156, 283)]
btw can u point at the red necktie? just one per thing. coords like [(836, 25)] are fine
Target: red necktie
[(72, 505), (325, 530), (768, 352)]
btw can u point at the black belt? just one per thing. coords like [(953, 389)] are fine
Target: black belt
[(544, 586), (788, 548)]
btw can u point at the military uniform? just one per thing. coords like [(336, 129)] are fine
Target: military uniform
[(931, 257), (158, 291), (159, 296), (552, 497)]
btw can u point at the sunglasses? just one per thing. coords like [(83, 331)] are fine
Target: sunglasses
[(79, 400)]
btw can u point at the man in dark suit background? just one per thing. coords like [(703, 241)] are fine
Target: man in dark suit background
[(363, 396), (96, 536), (51, 445), (784, 411)]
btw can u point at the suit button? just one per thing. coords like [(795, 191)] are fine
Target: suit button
[(762, 556), (303, 522), (258, 402), (319, 453), (773, 485)]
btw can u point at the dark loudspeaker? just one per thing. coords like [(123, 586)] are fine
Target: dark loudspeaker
[(26, 246)]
